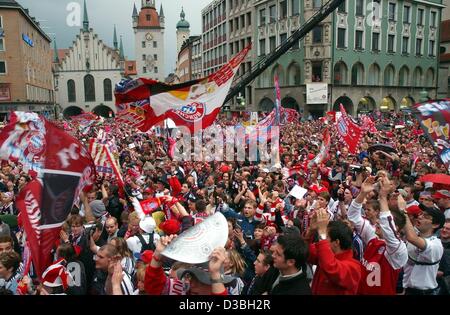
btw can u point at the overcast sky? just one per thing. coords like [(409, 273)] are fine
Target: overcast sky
[(103, 14)]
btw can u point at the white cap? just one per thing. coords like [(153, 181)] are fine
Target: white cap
[(147, 224)]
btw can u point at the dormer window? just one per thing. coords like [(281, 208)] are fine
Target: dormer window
[(149, 17)]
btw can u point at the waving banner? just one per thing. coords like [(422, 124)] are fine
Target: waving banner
[(349, 132), (434, 118), (63, 167), (194, 104)]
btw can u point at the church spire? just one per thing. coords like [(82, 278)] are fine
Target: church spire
[(121, 53), (161, 12), (85, 19), (55, 52), (135, 12), (115, 38)]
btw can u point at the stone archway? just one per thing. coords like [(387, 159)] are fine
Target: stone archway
[(346, 102), (72, 111), (266, 105), (104, 111), (406, 103), (388, 104), (289, 102), (365, 105)]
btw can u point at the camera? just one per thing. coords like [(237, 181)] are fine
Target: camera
[(356, 168)]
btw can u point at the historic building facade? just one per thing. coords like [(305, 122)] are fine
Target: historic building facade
[(26, 81), (86, 73), (387, 64), (149, 30)]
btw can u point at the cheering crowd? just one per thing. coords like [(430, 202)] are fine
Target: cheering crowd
[(366, 225)]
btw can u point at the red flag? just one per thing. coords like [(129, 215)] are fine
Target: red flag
[(368, 124), (65, 168), (322, 155), (150, 205), (348, 131)]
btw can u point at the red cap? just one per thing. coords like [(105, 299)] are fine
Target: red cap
[(147, 256), (170, 227), (224, 168), (414, 210), (442, 194)]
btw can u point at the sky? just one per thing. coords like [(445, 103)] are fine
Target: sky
[(103, 14)]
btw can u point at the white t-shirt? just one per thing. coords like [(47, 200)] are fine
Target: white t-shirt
[(423, 277), (447, 214)]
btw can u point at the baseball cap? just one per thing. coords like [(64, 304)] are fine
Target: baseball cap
[(414, 210), (201, 273), (442, 194)]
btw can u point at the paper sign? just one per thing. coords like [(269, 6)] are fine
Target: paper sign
[(195, 245), (298, 192)]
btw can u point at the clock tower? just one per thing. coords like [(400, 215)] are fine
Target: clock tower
[(148, 28)]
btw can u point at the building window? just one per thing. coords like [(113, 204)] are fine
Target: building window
[(143, 44), (283, 38), (144, 57), (2, 67), (149, 17), (375, 42), (71, 92), (249, 19), (391, 41), (242, 21), (155, 44), (231, 25), (341, 38), (359, 40), (89, 88), (341, 7), (405, 45), (283, 9), (156, 69), (406, 14), (144, 69), (155, 56), (433, 19), (273, 13), (316, 71), (107, 90), (2, 44), (272, 43), (262, 17), (295, 5), (420, 17), (391, 11), (431, 48), (359, 10), (419, 47), (317, 34), (262, 47), (317, 4)]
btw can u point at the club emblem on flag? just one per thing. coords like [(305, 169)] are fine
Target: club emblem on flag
[(36, 142), (342, 127), (192, 112)]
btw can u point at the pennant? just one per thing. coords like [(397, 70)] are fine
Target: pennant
[(348, 132), (143, 103), (324, 149), (150, 205), (368, 124)]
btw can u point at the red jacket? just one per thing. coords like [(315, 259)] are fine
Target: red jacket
[(335, 274)]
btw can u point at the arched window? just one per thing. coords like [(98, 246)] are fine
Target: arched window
[(294, 74), (430, 77), (278, 70), (340, 73), (404, 76), (107, 90), (89, 88), (374, 75), (389, 74), (357, 74), (71, 93), (417, 77)]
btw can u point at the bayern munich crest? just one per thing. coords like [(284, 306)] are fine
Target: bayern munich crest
[(36, 142), (192, 112), (342, 127)]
